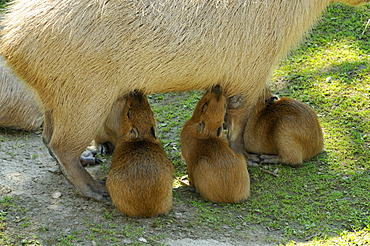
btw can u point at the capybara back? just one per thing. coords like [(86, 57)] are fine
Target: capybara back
[(284, 127)]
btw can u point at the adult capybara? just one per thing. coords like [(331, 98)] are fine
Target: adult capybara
[(141, 176), (20, 107), (214, 169), (283, 130), (81, 56)]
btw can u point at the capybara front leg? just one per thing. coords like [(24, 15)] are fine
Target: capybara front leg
[(76, 174), (66, 146), (270, 159)]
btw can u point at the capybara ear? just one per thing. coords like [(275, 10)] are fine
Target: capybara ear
[(219, 131), (204, 107), (134, 133), (201, 127), (272, 99), (153, 132)]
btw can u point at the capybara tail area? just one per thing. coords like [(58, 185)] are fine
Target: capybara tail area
[(222, 183), (142, 189), (140, 198)]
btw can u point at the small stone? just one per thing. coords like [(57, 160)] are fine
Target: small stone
[(56, 195), (143, 240), (178, 215)]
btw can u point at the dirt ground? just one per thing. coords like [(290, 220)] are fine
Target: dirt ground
[(39, 206)]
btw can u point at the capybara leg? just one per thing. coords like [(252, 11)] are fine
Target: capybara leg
[(66, 143), (270, 159), (293, 158), (289, 149), (236, 121), (48, 127), (251, 159), (72, 169)]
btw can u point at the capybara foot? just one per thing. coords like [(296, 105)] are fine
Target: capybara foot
[(88, 158), (251, 159), (270, 159), (96, 191)]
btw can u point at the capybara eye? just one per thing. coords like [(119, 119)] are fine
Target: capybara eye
[(129, 114), (134, 132)]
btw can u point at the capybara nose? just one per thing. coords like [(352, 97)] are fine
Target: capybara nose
[(216, 89)]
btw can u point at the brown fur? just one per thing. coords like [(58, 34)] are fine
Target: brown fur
[(141, 176), (284, 127), (20, 108), (217, 173), (81, 56)]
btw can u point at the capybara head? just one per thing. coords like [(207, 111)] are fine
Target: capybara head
[(137, 119), (210, 113)]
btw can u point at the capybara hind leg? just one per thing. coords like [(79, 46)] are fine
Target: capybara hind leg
[(290, 149), (292, 158)]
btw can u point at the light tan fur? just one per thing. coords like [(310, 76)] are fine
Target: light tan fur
[(81, 56), (20, 107), (283, 127), (141, 176), (108, 134), (214, 169)]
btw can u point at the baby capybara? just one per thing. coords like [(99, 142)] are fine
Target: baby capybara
[(214, 169), (283, 130), (141, 176)]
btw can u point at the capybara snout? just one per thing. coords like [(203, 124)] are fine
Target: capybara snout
[(141, 176), (137, 119), (214, 169), (211, 111)]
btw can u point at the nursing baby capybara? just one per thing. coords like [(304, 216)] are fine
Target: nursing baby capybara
[(81, 56), (214, 169), (141, 176), (283, 130)]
